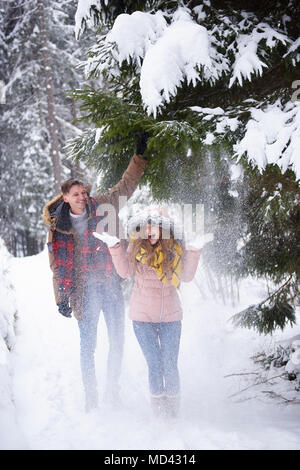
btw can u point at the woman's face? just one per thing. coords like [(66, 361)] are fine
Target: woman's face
[(153, 233)]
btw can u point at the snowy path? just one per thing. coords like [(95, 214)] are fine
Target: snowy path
[(49, 398)]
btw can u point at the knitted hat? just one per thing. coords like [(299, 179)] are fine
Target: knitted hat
[(156, 216)]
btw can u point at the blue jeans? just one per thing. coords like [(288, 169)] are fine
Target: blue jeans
[(109, 299), (160, 345)]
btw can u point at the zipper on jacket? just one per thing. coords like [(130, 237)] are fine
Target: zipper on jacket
[(162, 301)]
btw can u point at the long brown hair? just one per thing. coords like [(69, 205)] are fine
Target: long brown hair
[(166, 245)]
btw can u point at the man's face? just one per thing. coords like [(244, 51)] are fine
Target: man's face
[(76, 197)]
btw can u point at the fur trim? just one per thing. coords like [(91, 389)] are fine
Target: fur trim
[(46, 215)]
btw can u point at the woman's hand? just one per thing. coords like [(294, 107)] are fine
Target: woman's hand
[(109, 240), (198, 242)]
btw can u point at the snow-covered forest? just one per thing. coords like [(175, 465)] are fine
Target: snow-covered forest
[(216, 87)]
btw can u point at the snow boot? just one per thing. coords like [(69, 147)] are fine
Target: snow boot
[(91, 400), (158, 405), (112, 398), (172, 406)]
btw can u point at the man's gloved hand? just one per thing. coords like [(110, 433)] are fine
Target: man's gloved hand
[(109, 240), (199, 241), (141, 143), (64, 308)]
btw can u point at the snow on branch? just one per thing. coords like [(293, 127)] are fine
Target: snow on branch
[(272, 134), (129, 39), (273, 137), (177, 55), (165, 55), (167, 49), (247, 61), (84, 15), (221, 122), (133, 34), (294, 51)]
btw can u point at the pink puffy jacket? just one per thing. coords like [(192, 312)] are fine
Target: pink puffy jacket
[(151, 300)]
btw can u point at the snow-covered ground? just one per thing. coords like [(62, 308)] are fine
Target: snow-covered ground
[(46, 409)]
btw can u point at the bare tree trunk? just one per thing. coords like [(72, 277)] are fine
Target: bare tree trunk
[(211, 282), (232, 292), (76, 171), (221, 290), (50, 99)]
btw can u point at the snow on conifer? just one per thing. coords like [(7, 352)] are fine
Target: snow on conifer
[(167, 49), (171, 48), (273, 136)]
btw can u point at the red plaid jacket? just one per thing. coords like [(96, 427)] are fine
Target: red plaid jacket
[(96, 261)]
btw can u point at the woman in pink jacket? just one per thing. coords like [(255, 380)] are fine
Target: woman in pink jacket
[(158, 263)]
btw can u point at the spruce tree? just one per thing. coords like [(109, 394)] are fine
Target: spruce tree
[(211, 82), (239, 74)]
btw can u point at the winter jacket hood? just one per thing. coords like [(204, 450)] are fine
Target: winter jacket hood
[(56, 213), (50, 208)]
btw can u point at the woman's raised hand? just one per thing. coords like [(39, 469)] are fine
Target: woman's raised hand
[(198, 241), (109, 240)]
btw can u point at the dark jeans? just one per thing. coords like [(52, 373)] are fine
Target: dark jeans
[(160, 345), (109, 299)]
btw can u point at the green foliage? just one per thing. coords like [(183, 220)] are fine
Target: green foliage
[(271, 213), (271, 249), (116, 122), (116, 109), (265, 319)]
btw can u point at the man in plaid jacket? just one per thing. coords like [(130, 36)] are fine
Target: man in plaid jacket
[(84, 278)]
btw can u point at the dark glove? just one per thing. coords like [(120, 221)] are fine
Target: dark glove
[(64, 308), (141, 144)]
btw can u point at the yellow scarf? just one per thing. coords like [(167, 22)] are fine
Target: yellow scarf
[(158, 260)]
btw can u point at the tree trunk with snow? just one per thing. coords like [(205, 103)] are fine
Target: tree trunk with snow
[(52, 125)]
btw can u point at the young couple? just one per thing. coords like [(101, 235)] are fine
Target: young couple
[(87, 269)]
